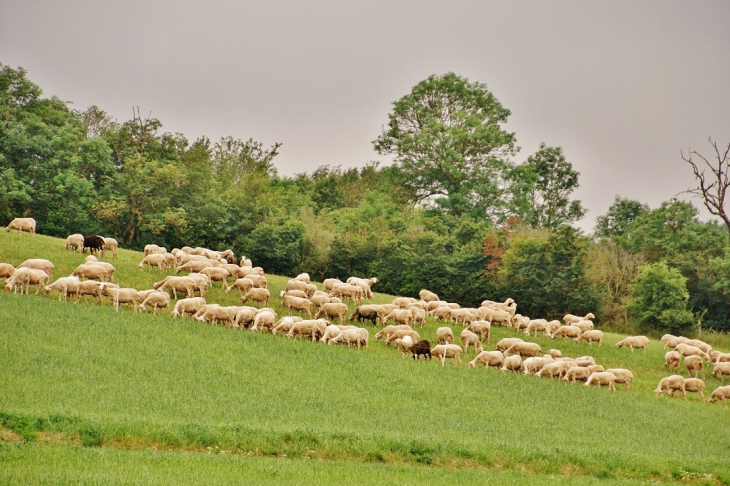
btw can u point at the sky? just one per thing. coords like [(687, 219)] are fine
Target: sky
[(622, 86)]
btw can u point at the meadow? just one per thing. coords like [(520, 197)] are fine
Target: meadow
[(174, 400)]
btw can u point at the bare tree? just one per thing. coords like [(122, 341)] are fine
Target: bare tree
[(713, 188)]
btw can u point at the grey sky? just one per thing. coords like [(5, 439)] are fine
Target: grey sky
[(622, 86)]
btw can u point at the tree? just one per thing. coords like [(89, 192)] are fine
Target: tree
[(612, 270), (542, 187), (712, 189), (618, 218), (448, 138)]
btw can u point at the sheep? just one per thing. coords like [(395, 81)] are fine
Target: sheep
[(427, 296), (555, 353), (120, 295), (304, 277), (216, 274), (189, 306), (622, 376), (174, 284), (91, 271), (671, 341), (505, 343), (65, 287), (157, 299), (298, 303), (443, 314), (524, 349), (537, 325), (583, 325), (365, 284), (444, 334), (387, 331), (348, 291), (672, 384), (309, 327), (535, 364), (603, 378), (74, 242), (716, 356), (672, 359), (400, 333), (331, 332), (421, 348), (357, 336), (579, 373), (556, 369), (469, 338), (404, 344), (700, 344), (110, 244), (6, 270), (569, 319), (695, 385), (399, 316), (402, 302), (91, 259), (259, 281), (109, 269), (594, 368), (259, 295), (639, 342), (263, 319), (487, 358), (329, 283), (153, 249), (219, 314), (520, 322), (419, 315), (590, 336), (512, 363), (295, 285), (19, 278), (332, 311), (192, 266), (242, 284), (201, 283), (498, 305), (297, 293), (447, 351), (551, 327), (499, 316), (93, 242), (689, 350), (245, 317), (482, 328), (89, 287), (285, 323), (568, 331), (39, 264), (721, 393), (153, 260), (22, 224), (465, 316), (694, 364), (320, 298), (585, 361), (720, 370)]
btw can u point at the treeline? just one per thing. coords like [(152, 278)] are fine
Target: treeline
[(84, 172)]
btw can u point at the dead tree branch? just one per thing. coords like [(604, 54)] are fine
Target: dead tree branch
[(712, 187)]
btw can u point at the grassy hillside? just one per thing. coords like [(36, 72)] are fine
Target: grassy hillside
[(87, 375)]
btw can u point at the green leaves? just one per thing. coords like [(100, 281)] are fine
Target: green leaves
[(660, 300)]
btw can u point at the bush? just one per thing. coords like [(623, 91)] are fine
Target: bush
[(659, 300)]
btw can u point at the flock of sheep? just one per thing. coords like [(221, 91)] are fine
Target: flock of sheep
[(205, 267)]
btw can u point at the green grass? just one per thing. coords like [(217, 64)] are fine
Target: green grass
[(137, 381)]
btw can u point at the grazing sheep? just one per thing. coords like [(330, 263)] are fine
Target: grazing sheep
[(695, 385), (310, 327), (304, 277), (110, 244), (94, 243), (694, 365), (90, 287), (501, 317), (109, 269), (569, 319), (594, 368), (297, 303), (330, 333), (639, 342), (442, 314), (365, 284), (91, 259), (537, 325), (175, 284), (603, 378), (512, 363), (74, 242), (568, 331), (154, 260), (447, 351), (39, 264), (399, 316), (348, 291), (296, 285), (689, 350), (720, 370), (469, 338), (555, 353), (622, 376), (579, 373), (421, 348), (366, 312), (524, 349), (535, 364), (590, 336), (520, 322), (218, 314), (672, 359), (259, 295), (505, 343), (91, 271), (464, 316), (242, 284), (263, 319), (297, 293), (585, 361), (402, 302), (419, 315), (22, 224), (716, 356), (120, 295), (329, 283), (6, 270), (357, 336), (700, 344), (400, 333), (285, 323), (556, 369), (404, 344), (672, 384), (192, 266), (25, 277), (721, 393), (157, 299), (427, 296), (488, 358), (482, 328), (583, 325), (66, 286), (216, 274), (671, 341), (498, 305), (152, 249), (551, 327), (188, 306), (387, 331), (444, 334), (332, 311)]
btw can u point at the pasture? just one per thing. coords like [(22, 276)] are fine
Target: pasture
[(99, 390)]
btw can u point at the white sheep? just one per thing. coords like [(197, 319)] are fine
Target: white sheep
[(537, 325), (39, 264), (579, 373), (216, 274), (505, 343), (404, 344), (469, 338), (332, 311), (700, 344), (110, 244), (297, 303), (400, 316), (242, 284), (258, 295), (263, 319), (388, 331), (310, 327), (66, 286), (157, 299), (304, 277), (154, 249), (694, 365), (602, 378), (622, 376), (447, 351), (672, 384), (583, 325), (482, 328), (119, 295), (720, 370), (174, 284), (285, 323), (671, 341), (524, 349), (428, 296), (488, 358), (721, 393), (357, 336), (689, 350), (444, 334), (672, 359), (74, 242), (400, 333), (695, 385), (555, 353), (568, 331), (188, 306), (716, 356), (512, 363), (22, 224), (402, 302), (569, 319), (556, 369), (153, 260), (638, 342), (534, 364), (590, 336)]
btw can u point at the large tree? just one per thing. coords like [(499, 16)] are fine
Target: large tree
[(712, 187), (448, 138)]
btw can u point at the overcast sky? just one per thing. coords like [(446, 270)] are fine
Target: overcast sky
[(622, 86)]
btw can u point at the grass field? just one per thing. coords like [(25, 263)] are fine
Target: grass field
[(106, 392)]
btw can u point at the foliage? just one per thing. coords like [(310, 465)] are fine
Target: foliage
[(620, 215)]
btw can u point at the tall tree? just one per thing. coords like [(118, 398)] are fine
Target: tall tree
[(447, 135), (542, 187), (712, 188), (620, 215)]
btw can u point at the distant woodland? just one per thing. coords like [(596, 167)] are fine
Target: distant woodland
[(453, 213)]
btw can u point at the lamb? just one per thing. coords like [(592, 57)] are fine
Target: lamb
[(447, 351), (672, 384), (524, 349), (400, 316), (505, 343), (22, 224), (258, 295), (512, 363), (694, 365), (74, 242), (671, 341), (482, 328), (285, 323), (242, 284), (695, 385), (298, 303), (488, 358), (689, 350), (400, 333), (569, 319), (157, 299), (332, 311), (189, 306), (175, 284), (671, 360), (590, 336), (404, 344), (444, 334), (720, 370), (579, 373), (91, 271), (39, 264), (639, 342), (721, 393), (421, 348), (603, 378), (263, 319), (427, 296), (357, 336), (622, 376), (110, 244), (468, 338), (568, 331), (154, 260), (65, 286), (366, 312)]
